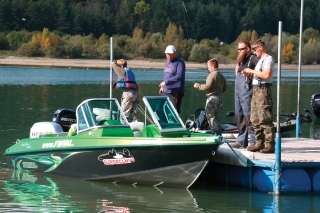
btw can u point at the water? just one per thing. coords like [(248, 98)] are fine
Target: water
[(30, 95)]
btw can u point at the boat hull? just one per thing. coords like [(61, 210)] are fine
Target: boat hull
[(166, 163)]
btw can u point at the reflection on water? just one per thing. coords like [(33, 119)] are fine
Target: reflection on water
[(315, 128), (34, 192), (26, 192), (31, 95)]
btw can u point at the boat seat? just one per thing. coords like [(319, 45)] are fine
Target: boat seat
[(73, 129), (137, 128), (151, 131)]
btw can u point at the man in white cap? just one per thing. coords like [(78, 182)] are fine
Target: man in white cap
[(174, 77)]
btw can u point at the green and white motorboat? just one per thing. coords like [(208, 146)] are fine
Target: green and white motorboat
[(102, 145)]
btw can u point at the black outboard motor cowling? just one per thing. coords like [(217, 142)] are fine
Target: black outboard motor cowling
[(315, 104), (65, 117)]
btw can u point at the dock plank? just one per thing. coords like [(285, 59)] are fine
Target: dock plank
[(292, 150)]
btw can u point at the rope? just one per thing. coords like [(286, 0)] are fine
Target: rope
[(227, 142)]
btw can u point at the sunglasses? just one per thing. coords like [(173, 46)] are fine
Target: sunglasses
[(240, 49), (255, 48)]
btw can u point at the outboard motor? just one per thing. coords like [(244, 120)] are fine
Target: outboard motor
[(315, 104), (65, 117)]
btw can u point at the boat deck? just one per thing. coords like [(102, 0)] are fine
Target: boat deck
[(294, 152)]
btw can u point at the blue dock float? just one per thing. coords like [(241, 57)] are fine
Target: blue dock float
[(299, 167)]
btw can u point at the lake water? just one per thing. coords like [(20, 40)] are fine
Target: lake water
[(29, 95)]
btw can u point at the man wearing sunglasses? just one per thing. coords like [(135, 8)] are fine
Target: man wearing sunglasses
[(261, 104), (243, 95)]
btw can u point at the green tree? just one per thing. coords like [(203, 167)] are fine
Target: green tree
[(198, 54), (4, 44), (63, 20), (310, 33), (17, 38), (226, 23), (30, 50), (142, 9)]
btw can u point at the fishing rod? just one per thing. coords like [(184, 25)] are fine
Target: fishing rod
[(204, 59), (145, 114), (185, 9)]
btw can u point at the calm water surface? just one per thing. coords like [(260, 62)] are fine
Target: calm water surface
[(30, 95)]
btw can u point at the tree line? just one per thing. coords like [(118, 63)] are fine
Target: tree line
[(199, 18), (199, 28)]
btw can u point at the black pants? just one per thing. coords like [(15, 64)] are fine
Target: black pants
[(175, 98)]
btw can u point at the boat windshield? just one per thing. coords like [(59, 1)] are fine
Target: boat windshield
[(163, 113), (99, 112)]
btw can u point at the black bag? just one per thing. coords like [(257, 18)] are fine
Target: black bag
[(198, 120), (201, 119)]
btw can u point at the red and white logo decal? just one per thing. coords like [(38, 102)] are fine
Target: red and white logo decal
[(116, 158)]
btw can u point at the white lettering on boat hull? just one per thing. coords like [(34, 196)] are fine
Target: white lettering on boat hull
[(58, 143)]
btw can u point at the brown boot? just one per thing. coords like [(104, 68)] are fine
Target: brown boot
[(267, 150), (254, 148)]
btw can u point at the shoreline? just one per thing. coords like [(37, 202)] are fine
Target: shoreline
[(103, 64)]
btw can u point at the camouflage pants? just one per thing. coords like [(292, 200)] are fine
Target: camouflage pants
[(261, 116), (130, 104), (213, 109)]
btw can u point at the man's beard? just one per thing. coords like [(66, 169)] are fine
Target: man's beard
[(241, 57)]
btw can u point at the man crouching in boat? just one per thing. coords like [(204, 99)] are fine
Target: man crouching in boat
[(130, 96)]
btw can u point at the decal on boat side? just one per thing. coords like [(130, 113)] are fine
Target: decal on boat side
[(29, 165), (59, 143), (26, 145), (116, 158), (41, 162)]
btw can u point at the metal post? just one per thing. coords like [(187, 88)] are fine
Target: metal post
[(299, 74), (277, 182), (111, 59)]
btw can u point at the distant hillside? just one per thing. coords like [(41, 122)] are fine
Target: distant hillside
[(199, 19)]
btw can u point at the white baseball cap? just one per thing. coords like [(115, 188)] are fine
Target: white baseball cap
[(170, 49)]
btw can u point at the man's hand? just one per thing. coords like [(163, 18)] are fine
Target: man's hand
[(196, 85), (162, 84), (247, 72)]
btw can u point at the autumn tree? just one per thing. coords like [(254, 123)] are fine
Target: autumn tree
[(288, 52), (45, 40), (173, 34), (249, 35), (137, 40)]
